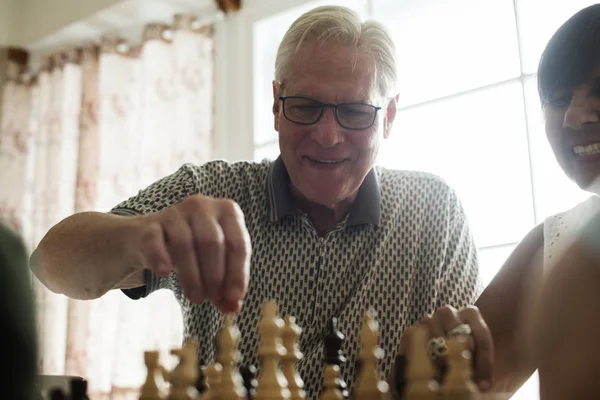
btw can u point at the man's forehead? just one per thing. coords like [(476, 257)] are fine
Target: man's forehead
[(332, 72)]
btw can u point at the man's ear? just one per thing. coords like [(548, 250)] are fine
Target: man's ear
[(390, 116), (276, 104)]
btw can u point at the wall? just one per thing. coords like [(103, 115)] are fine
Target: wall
[(43, 17)]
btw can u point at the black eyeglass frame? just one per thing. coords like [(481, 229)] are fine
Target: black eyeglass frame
[(335, 111)]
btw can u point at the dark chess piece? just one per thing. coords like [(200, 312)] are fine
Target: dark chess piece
[(333, 341), (248, 373), (57, 394), (399, 374), (201, 385), (79, 389)]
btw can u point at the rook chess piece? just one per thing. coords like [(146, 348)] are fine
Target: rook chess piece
[(272, 384), (457, 383), (231, 387), (369, 384), (333, 342), (291, 333), (419, 382)]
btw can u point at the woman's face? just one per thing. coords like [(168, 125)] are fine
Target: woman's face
[(573, 130)]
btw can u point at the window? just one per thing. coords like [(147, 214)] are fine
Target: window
[(469, 111)]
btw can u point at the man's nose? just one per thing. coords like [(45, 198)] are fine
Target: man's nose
[(583, 109), (327, 131)]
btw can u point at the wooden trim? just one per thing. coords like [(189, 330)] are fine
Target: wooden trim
[(229, 5)]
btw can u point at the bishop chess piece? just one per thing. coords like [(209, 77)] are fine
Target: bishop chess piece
[(272, 384), (290, 336), (419, 382), (248, 373), (152, 387), (333, 341), (231, 387), (369, 384), (458, 384)]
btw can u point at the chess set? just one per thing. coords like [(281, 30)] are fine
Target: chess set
[(277, 378)]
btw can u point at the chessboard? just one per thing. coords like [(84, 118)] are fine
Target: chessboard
[(277, 379)]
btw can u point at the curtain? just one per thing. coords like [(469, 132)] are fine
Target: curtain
[(95, 125)]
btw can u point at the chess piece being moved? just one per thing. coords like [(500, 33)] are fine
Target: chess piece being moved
[(333, 342), (231, 386), (272, 384), (420, 383), (291, 333), (152, 387), (369, 384), (184, 376), (331, 384), (458, 384)]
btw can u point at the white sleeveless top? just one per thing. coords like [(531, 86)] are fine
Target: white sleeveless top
[(561, 229)]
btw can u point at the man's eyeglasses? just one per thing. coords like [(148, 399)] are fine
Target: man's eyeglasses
[(304, 111)]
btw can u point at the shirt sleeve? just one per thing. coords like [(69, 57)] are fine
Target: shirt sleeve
[(164, 193), (460, 280)]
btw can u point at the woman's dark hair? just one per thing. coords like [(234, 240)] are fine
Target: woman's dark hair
[(571, 54)]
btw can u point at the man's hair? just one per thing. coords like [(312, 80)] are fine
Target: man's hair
[(336, 23), (571, 54)]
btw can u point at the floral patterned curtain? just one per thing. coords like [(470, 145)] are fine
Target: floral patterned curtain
[(95, 125)]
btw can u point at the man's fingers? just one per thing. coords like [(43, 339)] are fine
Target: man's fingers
[(237, 260), (210, 247), (179, 239), (484, 347)]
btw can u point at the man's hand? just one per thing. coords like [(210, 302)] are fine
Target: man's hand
[(447, 322), (206, 242)]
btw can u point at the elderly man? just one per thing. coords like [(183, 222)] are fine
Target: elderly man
[(321, 230)]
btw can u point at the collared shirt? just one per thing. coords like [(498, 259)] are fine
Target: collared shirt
[(403, 250)]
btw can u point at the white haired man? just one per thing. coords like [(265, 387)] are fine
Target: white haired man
[(321, 230)]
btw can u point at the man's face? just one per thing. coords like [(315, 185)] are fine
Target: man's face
[(574, 133), (326, 162)]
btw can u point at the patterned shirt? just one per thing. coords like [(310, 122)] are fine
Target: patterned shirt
[(403, 250)]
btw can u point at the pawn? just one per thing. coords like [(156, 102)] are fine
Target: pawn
[(231, 387), (458, 384), (331, 384), (419, 382), (150, 390), (291, 333), (369, 384), (249, 377), (333, 342)]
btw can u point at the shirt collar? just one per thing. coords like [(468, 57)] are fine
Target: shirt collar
[(366, 209)]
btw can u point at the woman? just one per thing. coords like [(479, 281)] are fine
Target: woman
[(534, 274)]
